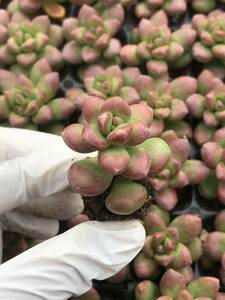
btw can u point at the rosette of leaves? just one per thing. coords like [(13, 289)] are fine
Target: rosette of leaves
[(208, 105), (173, 286), (154, 43), (112, 81), (23, 41), (210, 42), (167, 243), (166, 98), (27, 100), (90, 35), (214, 244), (213, 155), (172, 176), (54, 8), (125, 154), (174, 8)]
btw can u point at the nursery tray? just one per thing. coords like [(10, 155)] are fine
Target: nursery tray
[(190, 201)]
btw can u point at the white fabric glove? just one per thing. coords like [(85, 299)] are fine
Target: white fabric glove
[(33, 180), (67, 264), (34, 193)]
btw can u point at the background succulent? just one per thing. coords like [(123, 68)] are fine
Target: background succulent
[(23, 41), (54, 8), (173, 286), (207, 105), (178, 173), (214, 244), (167, 243), (204, 6), (210, 36), (154, 43), (90, 35), (174, 8), (25, 100)]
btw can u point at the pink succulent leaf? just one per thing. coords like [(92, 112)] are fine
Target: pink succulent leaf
[(120, 135), (49, 85), (91, 108), (93, 137), (114, 159), (139, 163), (166, 198), (87, 178), (72, 136), (117, 107)]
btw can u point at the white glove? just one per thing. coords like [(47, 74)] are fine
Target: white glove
[(35, 165), (67, 264), (33, 180)]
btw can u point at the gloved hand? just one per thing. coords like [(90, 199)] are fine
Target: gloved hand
[(33, 179), (34, 189)]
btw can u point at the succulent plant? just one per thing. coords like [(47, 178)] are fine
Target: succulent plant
[(54, 8), (173, 286), (210, 42), (25, 100), (174, 8), (167, 243), (90, 35), (203, 6), (111, 81), (214, 244), (178, 173), (213, 156), (166, 98), (154, 43), (208, 105), (23, 41), (120, 134)]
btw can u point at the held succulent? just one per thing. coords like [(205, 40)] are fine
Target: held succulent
[(90, 35), (155, 44), (167, 243), (118, 132), (173, 286), (53, 8), (174, 8), (26, 40), (211, 37), (25, 100)]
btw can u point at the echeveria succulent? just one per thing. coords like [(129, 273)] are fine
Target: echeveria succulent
[(214, 244), (178, 173), (213, 155), (155, 44), (167, 243), (207, 104), (203, 6), (174, 8), (173, 286), (53, 8), (112, 81), (32, 99), (23, 41), (166, 98), (210, 42), (90, 35)]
